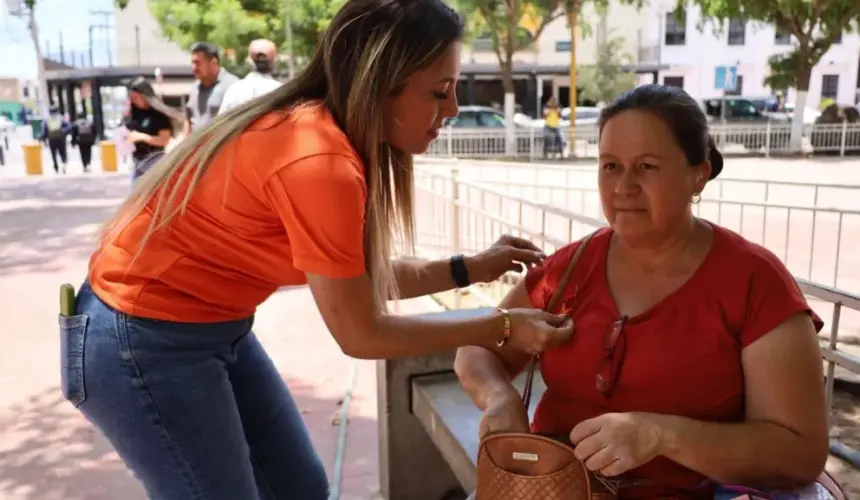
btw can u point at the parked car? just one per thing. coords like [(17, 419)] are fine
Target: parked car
[(741, 111), (480, 130)]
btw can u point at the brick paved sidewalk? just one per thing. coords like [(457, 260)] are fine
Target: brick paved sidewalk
[(47, 450)]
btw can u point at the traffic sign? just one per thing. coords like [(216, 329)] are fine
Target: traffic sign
[(726, 78)]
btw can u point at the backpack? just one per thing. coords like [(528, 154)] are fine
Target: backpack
[(54, 126), (85, 130)]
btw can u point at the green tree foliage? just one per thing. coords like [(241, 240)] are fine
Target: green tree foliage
[(510, 25), (232, 24), (608, 77)]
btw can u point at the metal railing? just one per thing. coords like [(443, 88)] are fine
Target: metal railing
[(464, 216), (779, 215), (842, 139)]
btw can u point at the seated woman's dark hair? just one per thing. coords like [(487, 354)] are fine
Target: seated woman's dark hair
[(681, 114)]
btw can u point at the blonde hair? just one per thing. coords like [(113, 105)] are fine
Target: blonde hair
[(364, 57)]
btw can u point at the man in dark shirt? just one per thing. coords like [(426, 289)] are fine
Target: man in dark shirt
[(208, 90)]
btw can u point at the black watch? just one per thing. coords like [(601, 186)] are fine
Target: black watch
[(459, 271)]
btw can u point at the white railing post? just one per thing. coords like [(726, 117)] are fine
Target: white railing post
[(531, 143), (767, 143), (455, 223), (449, 140), (842, 143)]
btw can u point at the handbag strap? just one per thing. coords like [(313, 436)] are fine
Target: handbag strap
[(556, 296)]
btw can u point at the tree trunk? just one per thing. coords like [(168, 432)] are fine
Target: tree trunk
[(572, 15), (44, 99), (803, 77), (510, 101)]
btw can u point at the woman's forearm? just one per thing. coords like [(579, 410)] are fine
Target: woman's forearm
[(417, 277), (398, 336), (759, 454)]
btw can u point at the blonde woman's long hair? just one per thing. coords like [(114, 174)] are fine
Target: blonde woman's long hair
[(364, 57)]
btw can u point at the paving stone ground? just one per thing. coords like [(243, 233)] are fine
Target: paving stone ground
[(48, 451)]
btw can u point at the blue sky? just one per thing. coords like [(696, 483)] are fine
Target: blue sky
[(68, 20)]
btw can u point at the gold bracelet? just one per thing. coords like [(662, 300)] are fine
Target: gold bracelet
[(507, 330)]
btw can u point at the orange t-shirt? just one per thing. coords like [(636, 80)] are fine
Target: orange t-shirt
[(285, 198)]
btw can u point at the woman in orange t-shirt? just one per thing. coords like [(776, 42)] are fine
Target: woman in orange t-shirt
[(695, 360), (302, 185)]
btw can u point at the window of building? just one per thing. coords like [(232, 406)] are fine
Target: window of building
[(782, 38), (674, 81), (562, 46), (830, 86), (737, 32), (676, 30)]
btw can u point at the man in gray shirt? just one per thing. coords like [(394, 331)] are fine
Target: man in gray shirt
[(207, 92)]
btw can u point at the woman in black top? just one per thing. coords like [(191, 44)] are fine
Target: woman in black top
[(149, 123)]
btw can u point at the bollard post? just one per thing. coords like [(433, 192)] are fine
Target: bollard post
[(108, 156), (33, 158)]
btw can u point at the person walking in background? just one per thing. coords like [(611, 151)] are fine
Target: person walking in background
[(207, 92), (55, 129), (551, 136), (84, 136), (149, 124), (262, 56)]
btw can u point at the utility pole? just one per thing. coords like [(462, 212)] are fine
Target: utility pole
[(17, 9), (106, 27), (288, 34)]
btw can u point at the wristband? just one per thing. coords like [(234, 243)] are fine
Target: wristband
[(459, 271), (507, 331)]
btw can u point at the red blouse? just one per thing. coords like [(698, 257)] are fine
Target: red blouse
[(683, 356)]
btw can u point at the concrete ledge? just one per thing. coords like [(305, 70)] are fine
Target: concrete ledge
[(451, 420)]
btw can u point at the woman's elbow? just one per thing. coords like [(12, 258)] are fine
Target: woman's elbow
[(813, 461)]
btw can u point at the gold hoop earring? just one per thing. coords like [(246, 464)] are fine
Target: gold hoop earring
[(696, 198)]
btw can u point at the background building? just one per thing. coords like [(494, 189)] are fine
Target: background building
[(693, 55)]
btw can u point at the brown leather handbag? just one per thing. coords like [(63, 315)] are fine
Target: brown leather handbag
[(526, 466)]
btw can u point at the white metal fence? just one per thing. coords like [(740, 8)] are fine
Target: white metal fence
[(811, 227), (841, 139), (465, 216)]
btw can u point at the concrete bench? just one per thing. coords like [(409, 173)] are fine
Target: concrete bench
[(428, 426), (411, 465), (451, 420)]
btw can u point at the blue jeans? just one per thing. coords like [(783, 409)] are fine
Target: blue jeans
[(196, 411)]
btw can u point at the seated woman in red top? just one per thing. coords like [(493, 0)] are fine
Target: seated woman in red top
[(694, 359)]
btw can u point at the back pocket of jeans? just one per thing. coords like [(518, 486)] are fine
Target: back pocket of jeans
[(73, 333)]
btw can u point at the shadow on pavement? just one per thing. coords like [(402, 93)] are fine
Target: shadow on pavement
[(48, 451), (47, 221)]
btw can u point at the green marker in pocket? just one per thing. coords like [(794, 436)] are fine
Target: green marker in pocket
[(67, 300)]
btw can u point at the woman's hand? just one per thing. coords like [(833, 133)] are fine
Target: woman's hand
[(509, 253), (615, 443), (505, 413), (134, 137), (535, 331)]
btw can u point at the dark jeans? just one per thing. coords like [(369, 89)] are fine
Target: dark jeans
[(58, 147), (552, 141), (197, 411), (86, 149), (142, 164)]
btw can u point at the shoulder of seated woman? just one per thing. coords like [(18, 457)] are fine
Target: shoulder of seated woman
[(743, 254)]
